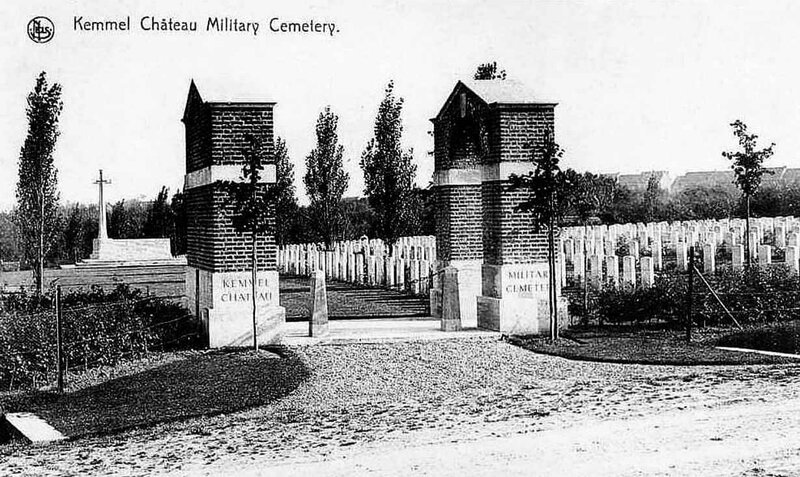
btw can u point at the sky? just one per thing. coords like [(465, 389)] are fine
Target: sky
[(641, 85)]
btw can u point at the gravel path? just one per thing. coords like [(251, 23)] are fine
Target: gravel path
[(405, 394)]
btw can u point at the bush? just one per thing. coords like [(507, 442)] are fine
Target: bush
[(663, 301), (99, 328), (754, 296)]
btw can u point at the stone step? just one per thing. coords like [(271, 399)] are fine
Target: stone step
[(31, 427)]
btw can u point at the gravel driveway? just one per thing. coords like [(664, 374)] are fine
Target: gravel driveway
[(359, 396)]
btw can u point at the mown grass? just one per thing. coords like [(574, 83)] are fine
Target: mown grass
[(668, 347), (199, 384)]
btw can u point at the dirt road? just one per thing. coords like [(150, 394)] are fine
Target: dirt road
[(745, 438)]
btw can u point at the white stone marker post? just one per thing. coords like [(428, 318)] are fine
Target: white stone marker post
[(612, 270), (708, 258), (648, 275), (793, 260), (629, 272)]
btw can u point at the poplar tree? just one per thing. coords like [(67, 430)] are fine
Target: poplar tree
[(326, 180), (389, 171), (286, 202), (36, 215)]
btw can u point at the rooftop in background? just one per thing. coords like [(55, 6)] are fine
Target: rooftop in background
[(638, 182)]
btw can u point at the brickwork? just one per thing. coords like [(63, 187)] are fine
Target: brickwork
[(458, 219), (215, 136), (523, 130), (458, 142), (198, 132), (508, 236), (230, 124)]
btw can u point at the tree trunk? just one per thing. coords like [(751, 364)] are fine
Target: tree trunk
[(40, 251), (747, 250), (253, 287), (551, 261), (585, 282)]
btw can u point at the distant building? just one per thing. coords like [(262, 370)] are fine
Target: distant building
[(638, 182), (779, 176)]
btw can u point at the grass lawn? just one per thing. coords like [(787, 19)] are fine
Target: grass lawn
[(780, 337), (669, 347), (164, 388)]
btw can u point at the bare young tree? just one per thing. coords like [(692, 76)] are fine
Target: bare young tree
[(748, 166), (549, 191)]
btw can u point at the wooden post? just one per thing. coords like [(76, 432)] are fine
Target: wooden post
[(59, 343), (690, 296)]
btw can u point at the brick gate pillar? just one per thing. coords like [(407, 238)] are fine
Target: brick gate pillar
[(486, 131), (218, 278)]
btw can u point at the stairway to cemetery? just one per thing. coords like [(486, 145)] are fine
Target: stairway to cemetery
[(349, 301)]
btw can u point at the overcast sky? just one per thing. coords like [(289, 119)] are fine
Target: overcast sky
[(640, 85)]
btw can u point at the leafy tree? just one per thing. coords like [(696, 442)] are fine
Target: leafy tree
[(549, 196), (748, 166), (389, 171), (286, 203), (74, 234), (159, 221), (252, 214), (326, 180), (178, 206), (36, 215), (653, 200), (488, 71), (359, 218), (8, 238), (127, 219)]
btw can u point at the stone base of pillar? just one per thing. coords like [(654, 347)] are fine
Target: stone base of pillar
[(513, 316), (516, 301), (222, 302), (469, 287)]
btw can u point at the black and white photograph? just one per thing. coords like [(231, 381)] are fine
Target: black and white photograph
[(400, 238)]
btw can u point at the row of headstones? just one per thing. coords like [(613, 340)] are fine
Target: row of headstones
[(576, 238), (360, 267), (602, 239), (605, 271)]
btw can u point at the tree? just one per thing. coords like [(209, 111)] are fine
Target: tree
[(178, 207), (127, 219), (251, 209), (74, 233), (549, 195), (36, 215), (748, 167), (286, 203), (8, 238), (389, 171), (159, 221), (488, 71), (326, 180)]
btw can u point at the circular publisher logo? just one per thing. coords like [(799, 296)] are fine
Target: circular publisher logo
[(41, 29)]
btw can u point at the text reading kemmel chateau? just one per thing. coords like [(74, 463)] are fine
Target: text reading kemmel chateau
[(157, 24)]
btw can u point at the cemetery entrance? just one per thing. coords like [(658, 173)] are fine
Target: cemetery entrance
[(365, 279)]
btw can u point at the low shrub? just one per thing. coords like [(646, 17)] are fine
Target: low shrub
[(98, 328), (755, 295)]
